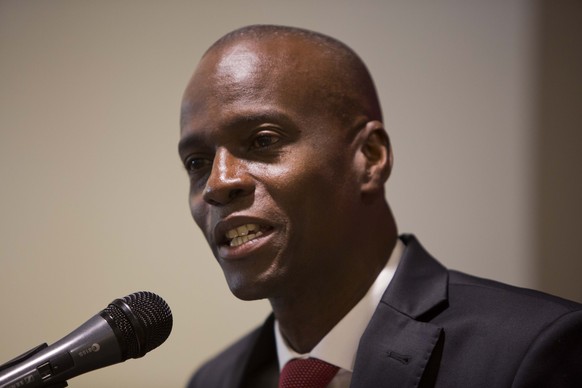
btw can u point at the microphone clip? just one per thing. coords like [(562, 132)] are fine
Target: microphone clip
[(23, 356), (26, 355)]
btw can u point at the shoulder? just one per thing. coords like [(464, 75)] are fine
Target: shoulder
[(490, 297), (538, 336), (226, 367), (494, 332), (232, 365), (512, 315)]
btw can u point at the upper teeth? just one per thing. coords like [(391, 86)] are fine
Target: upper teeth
[(242, 234)]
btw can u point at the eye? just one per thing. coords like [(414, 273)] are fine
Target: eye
[(265, 139), (194, 164)]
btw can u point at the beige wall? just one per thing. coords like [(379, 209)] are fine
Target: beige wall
[(93, 197)]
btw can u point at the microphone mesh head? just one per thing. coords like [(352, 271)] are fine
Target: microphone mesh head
[(148, 325)]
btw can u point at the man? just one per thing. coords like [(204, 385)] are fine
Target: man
[(283, 141)]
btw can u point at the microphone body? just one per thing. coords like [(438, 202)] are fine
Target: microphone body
[(127, 328), (91, 346)]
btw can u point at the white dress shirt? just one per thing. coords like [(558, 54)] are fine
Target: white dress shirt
[(340, 345)]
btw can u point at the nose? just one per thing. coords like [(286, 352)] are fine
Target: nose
[(228, 180)]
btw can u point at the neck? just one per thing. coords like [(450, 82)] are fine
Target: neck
[(305, 320), (307, 314)]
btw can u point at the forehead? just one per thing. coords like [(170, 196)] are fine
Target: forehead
[(238, 65), (272, 74)]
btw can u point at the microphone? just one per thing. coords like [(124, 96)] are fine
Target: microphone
[(128, 327)]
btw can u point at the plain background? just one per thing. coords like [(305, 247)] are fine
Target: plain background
[(482, 102)]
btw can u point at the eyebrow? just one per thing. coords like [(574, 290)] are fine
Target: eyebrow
[(188, 142), (243, 120), (250, 118)]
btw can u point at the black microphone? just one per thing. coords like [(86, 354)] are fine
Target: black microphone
[(128, 328)]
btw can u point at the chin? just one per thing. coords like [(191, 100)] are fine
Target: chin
[(246, 289), (247, 293)]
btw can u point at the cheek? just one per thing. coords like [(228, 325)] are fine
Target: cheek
[(304, 187), (199, 211)]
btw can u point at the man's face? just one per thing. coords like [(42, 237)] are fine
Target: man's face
[(272, 180)]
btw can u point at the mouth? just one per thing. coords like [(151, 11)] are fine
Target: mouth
[(243, 234)]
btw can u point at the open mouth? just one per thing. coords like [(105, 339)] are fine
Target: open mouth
[(243, 234)]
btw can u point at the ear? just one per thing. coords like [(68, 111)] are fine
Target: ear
[(377, 156)]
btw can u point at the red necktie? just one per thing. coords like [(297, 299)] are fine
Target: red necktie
[(307, 373)]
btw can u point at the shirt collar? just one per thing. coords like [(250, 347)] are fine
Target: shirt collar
[(340, 345)]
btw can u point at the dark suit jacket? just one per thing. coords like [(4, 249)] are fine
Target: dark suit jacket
[(437, 328)]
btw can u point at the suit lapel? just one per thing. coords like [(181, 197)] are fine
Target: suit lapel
[(260, 369), (397, 346)]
